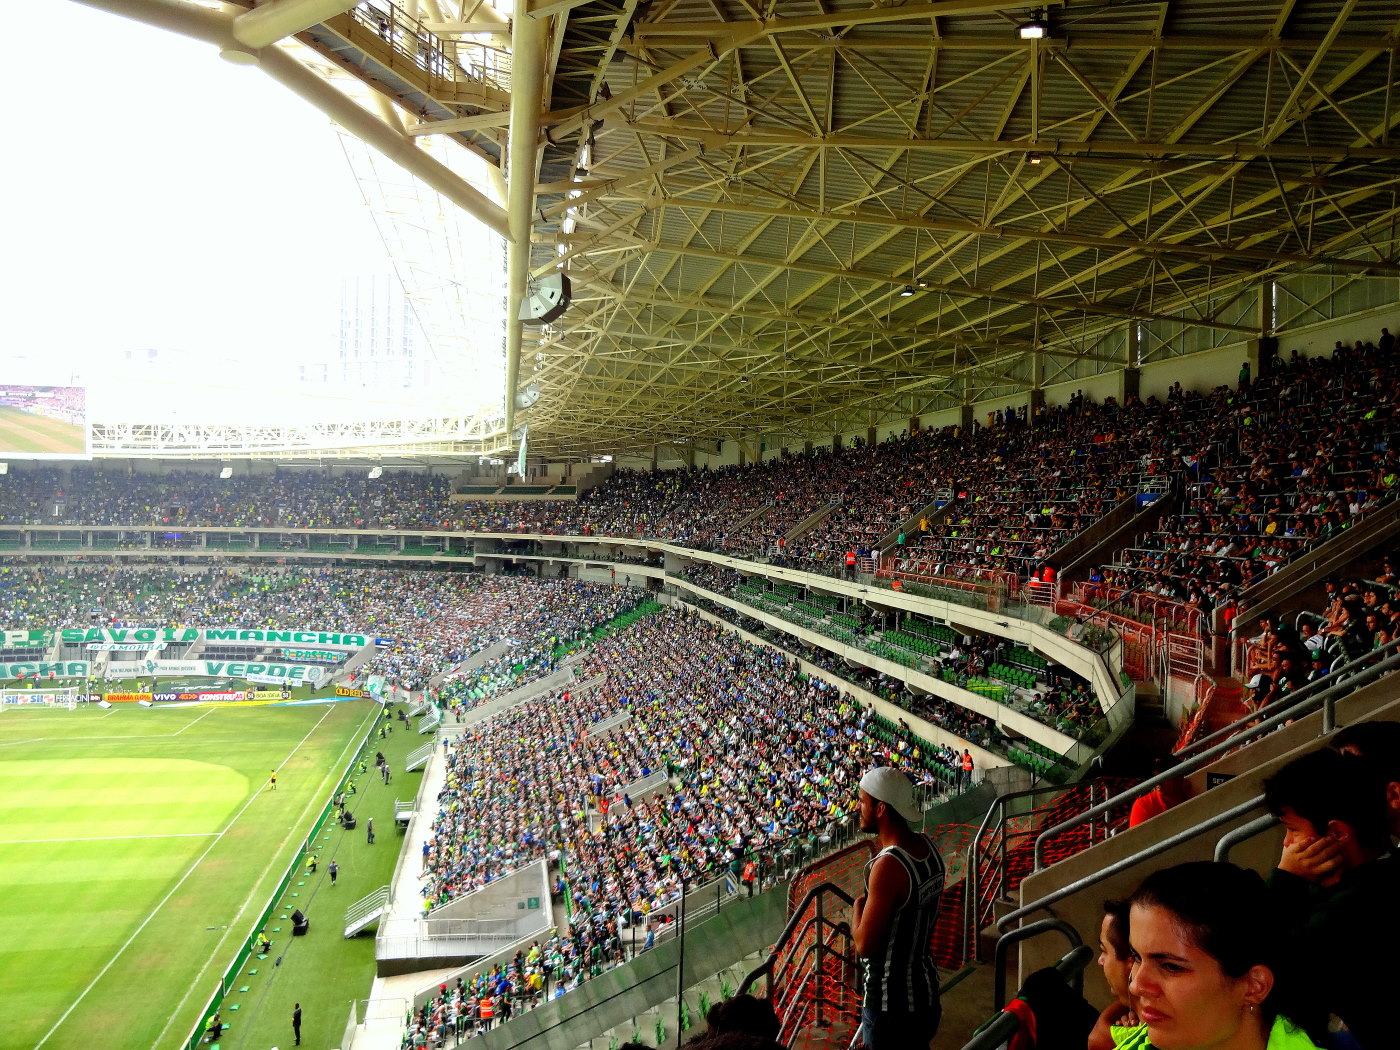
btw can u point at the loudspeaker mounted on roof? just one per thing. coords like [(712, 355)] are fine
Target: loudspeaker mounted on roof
[(546, 298)]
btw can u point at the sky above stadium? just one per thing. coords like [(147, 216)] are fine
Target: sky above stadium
[(165, 199)]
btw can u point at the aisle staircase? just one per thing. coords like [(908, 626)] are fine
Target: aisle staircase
[(1002, 854), (419, 758), (1227, 706), (365, 911)]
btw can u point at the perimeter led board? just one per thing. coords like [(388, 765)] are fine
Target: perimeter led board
[(44, 422)]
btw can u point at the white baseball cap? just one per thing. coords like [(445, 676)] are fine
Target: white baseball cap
[(888, 785)]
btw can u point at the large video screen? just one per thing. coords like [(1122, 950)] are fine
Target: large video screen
[(43, 422)]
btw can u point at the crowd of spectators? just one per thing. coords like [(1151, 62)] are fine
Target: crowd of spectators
[(428, 622), (1267, 468), (541, 622), (1312, 448), (101, 496), (495, 994), (755, 753), (1350, 619), (1061, 699)]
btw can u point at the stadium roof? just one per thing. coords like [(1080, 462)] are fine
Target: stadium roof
[(799, 216)]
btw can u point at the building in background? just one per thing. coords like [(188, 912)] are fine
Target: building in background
[(381, 347)]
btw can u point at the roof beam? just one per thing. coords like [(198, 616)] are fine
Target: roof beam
[(970, 291), (1120, 243), (712, 138), (269, 22), (526, 102), (828, 20)]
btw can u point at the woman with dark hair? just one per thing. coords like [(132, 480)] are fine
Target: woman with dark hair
[(1207, 967)]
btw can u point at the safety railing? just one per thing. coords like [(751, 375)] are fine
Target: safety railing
[(811, 971), (1259, 725), (1367, 668), (450, 60), (1156, 849), (373, 902), (1203, 692), (419, 757), (990, 876), (1024, 933)]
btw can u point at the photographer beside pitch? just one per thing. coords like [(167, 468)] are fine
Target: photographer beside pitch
[(892, 923)]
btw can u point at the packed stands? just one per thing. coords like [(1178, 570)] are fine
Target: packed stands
[(982, 664), (1263, 472), (1311, 449), (430, 621), (743, 774)]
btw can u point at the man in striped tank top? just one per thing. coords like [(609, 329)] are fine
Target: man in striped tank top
[(893, 921)]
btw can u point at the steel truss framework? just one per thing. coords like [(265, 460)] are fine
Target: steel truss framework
[(441, 435), (800, 217)]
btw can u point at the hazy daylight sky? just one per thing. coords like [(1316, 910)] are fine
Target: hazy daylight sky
[(157, 196)]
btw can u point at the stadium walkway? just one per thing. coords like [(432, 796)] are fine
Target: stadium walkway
[(391, 997)]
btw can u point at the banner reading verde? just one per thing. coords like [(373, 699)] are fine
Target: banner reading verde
[(262, 672), (291, 673), (26, 639)]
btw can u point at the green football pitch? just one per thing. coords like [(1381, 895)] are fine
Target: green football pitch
[(22, 431), (137, 848)]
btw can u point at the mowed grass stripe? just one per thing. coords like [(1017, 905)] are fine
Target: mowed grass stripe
[(82, 902), (23, 431), (94, 915), (141, 798)]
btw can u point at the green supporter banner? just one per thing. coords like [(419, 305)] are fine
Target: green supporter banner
[(26, 639), (45, 668), (21, 639), (290, 673), (219, 669)]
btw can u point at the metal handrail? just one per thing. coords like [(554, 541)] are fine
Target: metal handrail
[(793, 924), (1004, 1025), (973, 867), (1231, 839), (1326, 700), (818, 949), (1162, 846), (1023, 933), (1293, 698)]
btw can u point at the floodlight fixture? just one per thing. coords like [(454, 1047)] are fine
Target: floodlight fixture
[(906, 291), (1035, 29)]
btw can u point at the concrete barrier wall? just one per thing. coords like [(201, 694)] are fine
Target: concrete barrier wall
[(1247, 769), (627, 991), (504, 898)]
